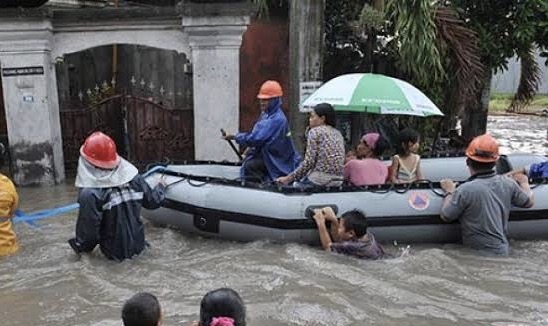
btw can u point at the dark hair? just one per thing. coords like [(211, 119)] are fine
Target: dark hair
[(406, 136), (142, 309), (223, 302), (380, 146), (480, 166), (326, 110), (356, 221)]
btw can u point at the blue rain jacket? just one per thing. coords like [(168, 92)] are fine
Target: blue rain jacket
[(111, 218), (271, 140), (538, 170)]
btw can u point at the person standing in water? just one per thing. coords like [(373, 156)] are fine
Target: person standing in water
[(142, 309), (9, 200), (222, 307), (483, 203), (111, 196)]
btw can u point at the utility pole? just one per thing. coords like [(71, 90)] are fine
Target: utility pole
[(306, 40)]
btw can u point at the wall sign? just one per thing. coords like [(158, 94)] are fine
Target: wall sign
[(305, 90), (22, 71)]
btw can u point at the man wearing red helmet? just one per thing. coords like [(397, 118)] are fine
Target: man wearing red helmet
[(111, 196), (483, 203)]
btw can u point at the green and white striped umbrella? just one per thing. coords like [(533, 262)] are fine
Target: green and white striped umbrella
[(372, 93)]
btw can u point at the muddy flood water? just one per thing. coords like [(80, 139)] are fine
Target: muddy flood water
[(46, 284)]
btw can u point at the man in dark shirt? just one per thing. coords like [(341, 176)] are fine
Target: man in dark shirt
[(111, 196)]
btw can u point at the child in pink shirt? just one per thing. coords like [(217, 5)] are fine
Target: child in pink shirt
[(369, 170)]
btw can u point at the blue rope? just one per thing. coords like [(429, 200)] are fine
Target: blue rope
[(46, 213)]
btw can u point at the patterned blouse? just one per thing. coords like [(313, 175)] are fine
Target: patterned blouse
[(324, 153)]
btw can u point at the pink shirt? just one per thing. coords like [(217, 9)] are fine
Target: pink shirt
[(365, 172)]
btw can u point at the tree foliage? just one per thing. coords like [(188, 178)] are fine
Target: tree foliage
[(507, 28), (419, 50)]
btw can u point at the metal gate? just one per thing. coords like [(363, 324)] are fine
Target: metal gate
[(145, 131)]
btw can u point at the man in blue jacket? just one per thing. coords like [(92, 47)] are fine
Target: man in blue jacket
[(272, 153)]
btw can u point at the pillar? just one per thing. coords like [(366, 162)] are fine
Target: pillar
[(30, 100)]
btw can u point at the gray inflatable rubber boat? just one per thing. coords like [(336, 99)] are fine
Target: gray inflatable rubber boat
[(209, 199)]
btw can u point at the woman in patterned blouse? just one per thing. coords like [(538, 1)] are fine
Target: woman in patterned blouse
[(324, 158)]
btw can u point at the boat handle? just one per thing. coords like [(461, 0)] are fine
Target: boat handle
[(309, 211)]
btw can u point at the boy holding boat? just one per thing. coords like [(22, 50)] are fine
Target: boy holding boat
[(349, 235)]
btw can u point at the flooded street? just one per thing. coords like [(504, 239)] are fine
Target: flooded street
[(47, 284)]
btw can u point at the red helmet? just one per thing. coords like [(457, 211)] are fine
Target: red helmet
[(484, 149), (270, 89), (100, 150)]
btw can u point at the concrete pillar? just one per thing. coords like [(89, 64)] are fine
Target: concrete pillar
[(30, 100), (306, 29), (215, 46)]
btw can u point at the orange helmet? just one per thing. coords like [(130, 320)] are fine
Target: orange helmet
[(270, 89), (100, 150), (484, 149)]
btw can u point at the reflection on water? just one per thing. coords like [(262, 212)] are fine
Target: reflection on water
[(46, 284)]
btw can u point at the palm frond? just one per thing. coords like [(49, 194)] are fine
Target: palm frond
[(419, 53), (529, 79), (462, 47)]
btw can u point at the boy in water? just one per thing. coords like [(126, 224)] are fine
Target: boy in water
[(350, 236), (142, 309)]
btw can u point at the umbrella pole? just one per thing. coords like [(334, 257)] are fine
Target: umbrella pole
[(436, 136)]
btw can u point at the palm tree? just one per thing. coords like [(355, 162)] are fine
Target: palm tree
[(437, 51)]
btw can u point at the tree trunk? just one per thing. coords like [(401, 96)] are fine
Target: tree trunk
[(474, 120), (306, 29)]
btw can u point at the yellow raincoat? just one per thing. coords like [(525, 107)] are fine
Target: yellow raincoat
[(9, 200)]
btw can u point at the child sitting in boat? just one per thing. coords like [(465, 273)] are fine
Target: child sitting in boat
[(350, 235), (406, 164), (369, 170), (221, 307), (142, 309)]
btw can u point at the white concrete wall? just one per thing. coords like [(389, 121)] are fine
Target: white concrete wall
[(508, 81), (32, 111), (71, 41), (215, 44)]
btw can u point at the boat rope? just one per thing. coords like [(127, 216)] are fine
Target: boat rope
[(31, 218)]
